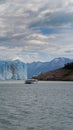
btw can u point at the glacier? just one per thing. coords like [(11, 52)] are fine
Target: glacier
[(13, 70)]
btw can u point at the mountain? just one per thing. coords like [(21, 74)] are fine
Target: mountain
[(62, 74), (14, 70), (35, 68)]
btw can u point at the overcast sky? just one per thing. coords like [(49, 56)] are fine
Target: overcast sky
[(36, 30)]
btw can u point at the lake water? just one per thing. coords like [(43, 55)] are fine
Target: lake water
[(41, 106)]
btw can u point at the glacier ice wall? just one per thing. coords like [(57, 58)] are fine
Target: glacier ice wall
[(15, 70)]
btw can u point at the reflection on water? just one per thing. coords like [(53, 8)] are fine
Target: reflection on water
[(41, 106)]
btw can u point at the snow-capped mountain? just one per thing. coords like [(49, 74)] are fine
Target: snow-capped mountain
[(36, 68), (12, 70)]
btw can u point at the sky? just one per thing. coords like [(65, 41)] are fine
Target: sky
[(36, 30)]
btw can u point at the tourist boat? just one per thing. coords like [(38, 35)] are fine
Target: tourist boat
[(30, 81)]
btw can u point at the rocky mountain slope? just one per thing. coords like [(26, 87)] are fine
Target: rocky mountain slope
[(63, 74)]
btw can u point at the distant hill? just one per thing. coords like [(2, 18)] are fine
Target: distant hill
[(63, 74), (35, 68)]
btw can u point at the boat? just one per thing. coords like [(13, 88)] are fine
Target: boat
[(30, 81)]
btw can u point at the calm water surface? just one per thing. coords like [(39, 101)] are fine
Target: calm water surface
[(42, 106)]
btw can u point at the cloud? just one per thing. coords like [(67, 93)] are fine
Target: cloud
[(35, 27)]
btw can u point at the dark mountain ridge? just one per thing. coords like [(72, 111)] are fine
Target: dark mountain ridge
[(62, 74)]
